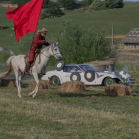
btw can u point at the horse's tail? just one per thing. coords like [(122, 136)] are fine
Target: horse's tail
[(9, 68)]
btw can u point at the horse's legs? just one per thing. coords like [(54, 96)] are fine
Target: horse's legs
[(17, 82), (37, 79)]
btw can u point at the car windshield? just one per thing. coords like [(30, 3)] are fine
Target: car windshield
[(87, 67)]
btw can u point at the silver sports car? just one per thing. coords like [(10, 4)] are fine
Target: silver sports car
[(86, 74)]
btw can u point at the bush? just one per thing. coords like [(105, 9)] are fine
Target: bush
[(110, 4), (86, 3), (68, 4), (53, 10), (82, 45), (46, 3), (4, 56), (95, 5)]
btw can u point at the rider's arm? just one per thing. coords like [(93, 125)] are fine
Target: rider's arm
[(37, 39), (46, 43)]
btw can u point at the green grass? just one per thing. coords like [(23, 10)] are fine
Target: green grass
[(123, 19), (57, 115)]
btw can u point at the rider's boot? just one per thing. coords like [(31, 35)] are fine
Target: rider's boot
[(26, 69)]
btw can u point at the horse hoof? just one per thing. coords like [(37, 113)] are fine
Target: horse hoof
[(19, 96), (29, 95), (34, 96)]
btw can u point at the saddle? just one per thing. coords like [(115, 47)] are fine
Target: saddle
[(27, 58)]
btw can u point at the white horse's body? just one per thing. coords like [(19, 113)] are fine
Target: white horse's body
[(17, 63)]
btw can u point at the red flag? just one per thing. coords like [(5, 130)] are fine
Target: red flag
[(25, 17)]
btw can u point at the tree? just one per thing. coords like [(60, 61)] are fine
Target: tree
[(110, 4), (95, 5), (68, 4), (86, 3), (46, 3), (19, 2), (52, 10), (81, 45)]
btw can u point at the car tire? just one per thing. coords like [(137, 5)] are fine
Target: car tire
[(89, 75), (59, 65), (109, 81), (75, 76), (55, 80)]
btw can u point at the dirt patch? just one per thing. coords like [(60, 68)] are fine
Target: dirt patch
[(128, 57), (118, 36), (11, 5), (101, 65)]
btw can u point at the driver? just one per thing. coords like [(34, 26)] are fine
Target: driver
[(37, 43), (73, 70)]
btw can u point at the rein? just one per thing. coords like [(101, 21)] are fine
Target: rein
[(47, 56)]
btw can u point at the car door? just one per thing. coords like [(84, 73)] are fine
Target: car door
[(68, 70)]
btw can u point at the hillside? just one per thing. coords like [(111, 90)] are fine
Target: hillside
[(123, 20)]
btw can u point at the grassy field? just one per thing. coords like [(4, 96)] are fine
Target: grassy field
[(57, 115), (123, 19)]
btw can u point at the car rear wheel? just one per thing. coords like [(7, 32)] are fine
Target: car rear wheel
[(55, 80), (109, 81), (75, 76)]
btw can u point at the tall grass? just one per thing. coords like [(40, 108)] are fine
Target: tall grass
[(4, 56), (58, 115), (131, 66)]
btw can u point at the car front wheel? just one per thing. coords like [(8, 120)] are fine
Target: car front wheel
[(109, 81), (55, 80)]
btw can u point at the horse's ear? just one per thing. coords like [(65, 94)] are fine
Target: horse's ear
[(56, 43)]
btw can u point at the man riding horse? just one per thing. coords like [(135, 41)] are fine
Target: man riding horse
[(37, 43)]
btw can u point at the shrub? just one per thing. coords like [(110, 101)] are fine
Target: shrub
[(110, 4), (4, 56), (86, 3), (95, 5), (68, 4), (53, 10), (82, 45)]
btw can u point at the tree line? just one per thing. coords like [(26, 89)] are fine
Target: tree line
[(53, 8)]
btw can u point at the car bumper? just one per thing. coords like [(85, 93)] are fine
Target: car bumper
[(127, 83)]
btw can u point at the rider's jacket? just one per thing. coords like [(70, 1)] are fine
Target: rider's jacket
[(37, 43)]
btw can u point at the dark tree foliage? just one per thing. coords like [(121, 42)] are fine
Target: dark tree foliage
[(52, 10), (19, 2), (110, 4), (46, 3), (86, 3), (68, 4)]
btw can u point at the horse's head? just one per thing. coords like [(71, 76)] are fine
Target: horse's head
[(55, 51)]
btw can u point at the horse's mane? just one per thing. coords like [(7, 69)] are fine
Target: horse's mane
[(46, 48)]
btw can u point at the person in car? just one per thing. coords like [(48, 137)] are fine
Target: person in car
[(73, 70)]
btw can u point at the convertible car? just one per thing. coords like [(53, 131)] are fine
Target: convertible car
[(86, 74)]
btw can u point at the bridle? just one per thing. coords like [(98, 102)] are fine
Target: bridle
[(51, 55)]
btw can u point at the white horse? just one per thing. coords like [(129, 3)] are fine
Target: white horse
[(17, 63)]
